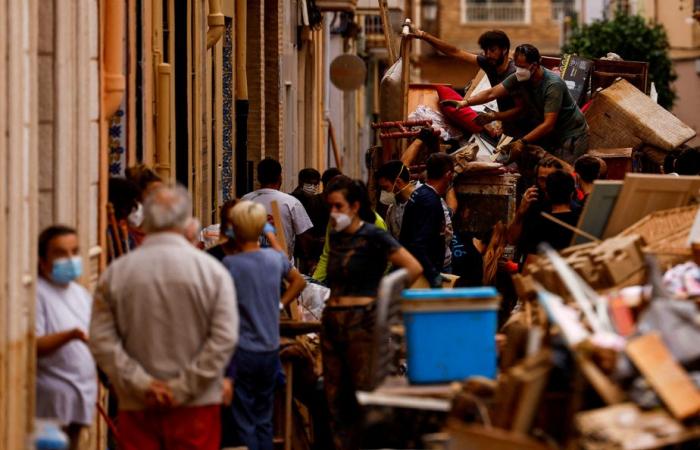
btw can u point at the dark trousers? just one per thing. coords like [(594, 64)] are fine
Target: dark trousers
[(346, 343), (253, 398)]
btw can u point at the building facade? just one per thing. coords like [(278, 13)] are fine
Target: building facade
[(201, 90), (683, 32)]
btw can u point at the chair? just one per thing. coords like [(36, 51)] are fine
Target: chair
[(388, 313)]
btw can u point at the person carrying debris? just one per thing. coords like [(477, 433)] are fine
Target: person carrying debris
[(66, 379), (359, 253), (497, 66), (562, 128)]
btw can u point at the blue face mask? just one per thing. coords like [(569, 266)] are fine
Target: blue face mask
[(228, 232), (66, 270)]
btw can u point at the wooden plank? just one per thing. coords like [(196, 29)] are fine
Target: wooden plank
[(643, 194), (388, 32), (479, 437), (334, 145), (665, 375), (474, 83), (279, 227), (608, 391), (17, 299), (421, 94), (405, 73), (288, 404), (4, 246)]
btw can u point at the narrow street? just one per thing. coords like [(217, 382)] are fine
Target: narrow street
[(349, 224)]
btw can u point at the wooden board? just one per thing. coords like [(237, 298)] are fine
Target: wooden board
[(479, 437), (423, 94), (643, 194), (597, 209), (670, 381), (279, 225)]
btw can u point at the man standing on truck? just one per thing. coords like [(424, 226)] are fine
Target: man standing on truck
[(497, 66)]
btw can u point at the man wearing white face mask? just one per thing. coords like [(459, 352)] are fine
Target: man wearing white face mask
[(497, 66), (66, 381), (394, 179), (562, 128)]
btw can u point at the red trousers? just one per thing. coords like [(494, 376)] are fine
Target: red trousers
[(193, 428)]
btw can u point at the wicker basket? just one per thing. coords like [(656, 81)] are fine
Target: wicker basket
[(666, 234)]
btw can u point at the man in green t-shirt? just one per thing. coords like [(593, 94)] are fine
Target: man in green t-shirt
[(562, 128)]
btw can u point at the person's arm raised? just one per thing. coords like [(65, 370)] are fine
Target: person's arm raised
[(444, 47)]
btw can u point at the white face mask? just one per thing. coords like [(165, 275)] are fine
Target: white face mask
[(340, 221), (387, 198), (311, 189), (522, 74), (135, 219)]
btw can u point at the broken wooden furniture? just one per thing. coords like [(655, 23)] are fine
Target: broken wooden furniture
[(622, 116), (605, 72), (618, 161), (626, 426)]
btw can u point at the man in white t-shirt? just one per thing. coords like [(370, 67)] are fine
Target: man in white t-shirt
[(66, 380), (295, 220)]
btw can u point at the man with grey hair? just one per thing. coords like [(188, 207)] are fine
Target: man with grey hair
[(164, 326)]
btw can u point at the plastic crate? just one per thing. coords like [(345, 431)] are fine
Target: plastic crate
[(450, 333)]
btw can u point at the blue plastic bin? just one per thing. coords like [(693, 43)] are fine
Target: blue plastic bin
[(450, 333)]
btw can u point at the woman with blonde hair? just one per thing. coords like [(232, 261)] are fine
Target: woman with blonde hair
[(257, 275)]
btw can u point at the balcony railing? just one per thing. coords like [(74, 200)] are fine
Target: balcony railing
[(496, 12), (373, 26)]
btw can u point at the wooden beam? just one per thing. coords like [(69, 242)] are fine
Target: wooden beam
[(279, 226), (334, 145), (388, 32), (673, 384)]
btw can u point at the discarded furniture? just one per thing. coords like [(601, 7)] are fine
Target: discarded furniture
[(623, 116), (643, 194), (605, 72)]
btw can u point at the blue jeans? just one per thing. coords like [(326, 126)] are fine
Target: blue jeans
[(253, 397)]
